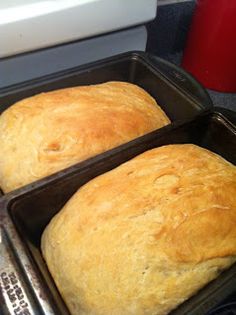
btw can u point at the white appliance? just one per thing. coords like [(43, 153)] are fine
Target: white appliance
[(39, 37)]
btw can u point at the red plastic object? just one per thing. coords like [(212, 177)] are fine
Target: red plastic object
[(210, 53)]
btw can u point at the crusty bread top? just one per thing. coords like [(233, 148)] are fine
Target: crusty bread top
[(145, 236), (51, 131), (192, 189)]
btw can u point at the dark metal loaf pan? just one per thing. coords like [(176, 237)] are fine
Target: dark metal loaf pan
[(179, 95), (25, 282)]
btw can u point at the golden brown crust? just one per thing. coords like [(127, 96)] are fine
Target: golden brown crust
[(144, 237), (51, 131)]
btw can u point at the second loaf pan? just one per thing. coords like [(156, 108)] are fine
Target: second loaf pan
[(25, 282)]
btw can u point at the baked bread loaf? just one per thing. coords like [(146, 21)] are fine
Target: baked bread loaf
[(144, 237), (48, 132)]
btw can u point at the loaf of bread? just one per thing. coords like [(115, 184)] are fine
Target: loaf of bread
[(48, 132), (144, 237)]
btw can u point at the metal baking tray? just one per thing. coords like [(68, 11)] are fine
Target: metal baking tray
[(179, 95), (26, 285)]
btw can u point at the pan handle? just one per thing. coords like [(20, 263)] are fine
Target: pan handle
[(227, 113), (182, 79)]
